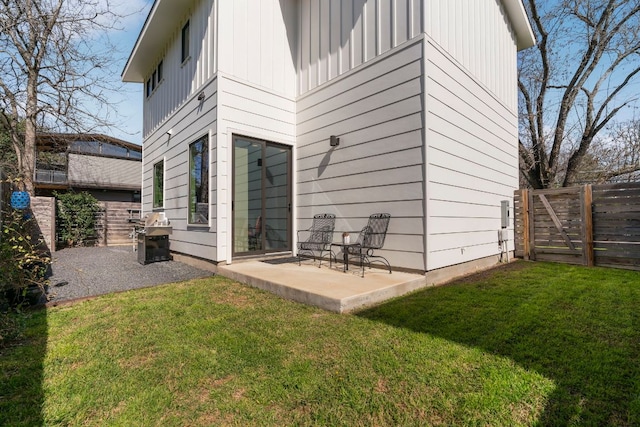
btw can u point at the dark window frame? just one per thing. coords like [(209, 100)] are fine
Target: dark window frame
[(158, 185), (199, 192), (186, 41)]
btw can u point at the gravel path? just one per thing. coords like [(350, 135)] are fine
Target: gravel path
[(85, 272)]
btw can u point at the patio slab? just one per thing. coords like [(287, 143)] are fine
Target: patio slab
[(327, 288)]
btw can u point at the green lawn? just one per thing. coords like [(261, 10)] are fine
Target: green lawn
[(526, 344)]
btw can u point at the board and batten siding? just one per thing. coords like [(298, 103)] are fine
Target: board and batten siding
[(337, 36), (479, 36), (253, 111), (181, 80), (193, 120), (472, 162), (257, 40), (377, 111)]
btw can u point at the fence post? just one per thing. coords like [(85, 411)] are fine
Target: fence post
[(586, 201), (531, 227), (524, 211)]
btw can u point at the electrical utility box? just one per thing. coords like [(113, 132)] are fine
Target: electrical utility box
[(504, 213)]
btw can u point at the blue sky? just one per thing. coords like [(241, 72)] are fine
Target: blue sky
[(129, 100)]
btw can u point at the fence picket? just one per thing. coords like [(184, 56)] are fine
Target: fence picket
[(589, 225)]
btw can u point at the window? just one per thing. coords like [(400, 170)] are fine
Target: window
[(185, 42), (159, 72), (148, 87), (154, 80), (158, 184), (199, 182)]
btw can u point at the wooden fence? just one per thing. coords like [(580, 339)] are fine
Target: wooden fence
[(115, 222), (589, 225)]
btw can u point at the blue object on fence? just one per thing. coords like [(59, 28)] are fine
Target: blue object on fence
[(20, 200)]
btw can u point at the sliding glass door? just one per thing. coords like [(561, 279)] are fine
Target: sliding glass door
[(261, 197)]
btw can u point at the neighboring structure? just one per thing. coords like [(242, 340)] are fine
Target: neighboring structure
[(108, 168), (242, 97)]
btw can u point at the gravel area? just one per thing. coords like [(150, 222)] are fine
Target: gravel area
[(86, 272)]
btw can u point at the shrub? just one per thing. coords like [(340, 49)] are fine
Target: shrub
[(76, 217), (23, 268), (23, 265)]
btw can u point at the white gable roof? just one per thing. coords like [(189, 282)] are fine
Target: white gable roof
[(520, 22), (156, 31), (164, 14)]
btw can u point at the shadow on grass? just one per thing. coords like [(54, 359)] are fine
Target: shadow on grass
[(579, 327), (22, 373)]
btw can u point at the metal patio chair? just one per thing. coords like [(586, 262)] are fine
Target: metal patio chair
[(371, 238), (319, 237)]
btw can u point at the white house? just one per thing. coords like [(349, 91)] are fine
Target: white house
[(243, 96)]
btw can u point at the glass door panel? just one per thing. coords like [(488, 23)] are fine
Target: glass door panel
[(247, 196), (277, 198), (261, 197)]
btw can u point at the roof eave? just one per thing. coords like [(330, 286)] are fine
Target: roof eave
[(525, 38), (155, 34)]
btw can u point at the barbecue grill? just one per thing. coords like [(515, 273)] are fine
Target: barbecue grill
[(153, 238)]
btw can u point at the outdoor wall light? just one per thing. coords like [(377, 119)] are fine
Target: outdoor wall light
[(334, 141), (201, 96), (170, 132)]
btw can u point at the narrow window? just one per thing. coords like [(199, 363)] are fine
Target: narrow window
[(185, 42), (199, 182), (148, 87), (159, 72), (158, 184), (154, 80)]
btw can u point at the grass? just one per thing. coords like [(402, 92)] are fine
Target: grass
[(526, 344)]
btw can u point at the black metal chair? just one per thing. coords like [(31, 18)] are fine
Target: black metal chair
[(320, 236), (371, 238)]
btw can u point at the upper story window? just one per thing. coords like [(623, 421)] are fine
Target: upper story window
[(185, 42), (156, 78)]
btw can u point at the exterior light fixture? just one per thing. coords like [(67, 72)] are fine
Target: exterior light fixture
[(201, 96), (334, 141), (170, 132)]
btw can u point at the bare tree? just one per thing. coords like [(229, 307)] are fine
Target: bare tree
[(614, 157), (55, 62), (574, 83)]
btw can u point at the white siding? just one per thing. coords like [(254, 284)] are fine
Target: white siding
[(336, 36), (256, 39), (180, 81), (472, 162), (378, 166), (477, 34), (189, 123), (248, 110)]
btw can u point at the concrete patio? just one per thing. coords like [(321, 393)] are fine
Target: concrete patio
[(327, 288)]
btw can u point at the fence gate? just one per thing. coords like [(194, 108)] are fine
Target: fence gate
[(589, 225)]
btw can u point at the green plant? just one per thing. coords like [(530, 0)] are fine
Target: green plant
[(23, 267), (76, 217), (22, 263)]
